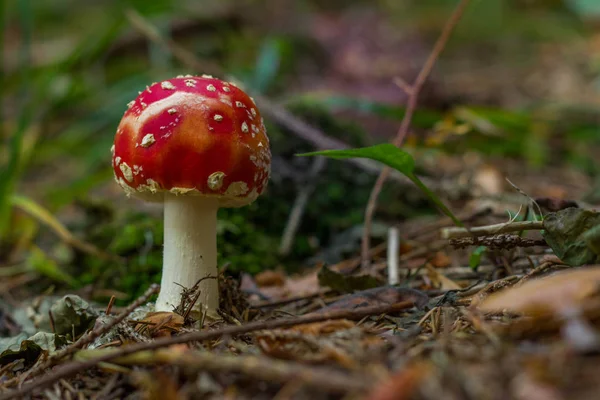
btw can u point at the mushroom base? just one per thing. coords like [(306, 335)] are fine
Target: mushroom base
[(190, 251)]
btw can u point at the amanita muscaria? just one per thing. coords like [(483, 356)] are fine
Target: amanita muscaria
[(197, 144)]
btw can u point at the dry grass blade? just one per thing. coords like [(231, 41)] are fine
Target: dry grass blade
[(413, 97), (45, 217)]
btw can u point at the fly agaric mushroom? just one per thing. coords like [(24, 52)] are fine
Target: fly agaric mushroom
[(197, 144)]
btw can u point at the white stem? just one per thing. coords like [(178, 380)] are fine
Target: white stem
[(190, 251)]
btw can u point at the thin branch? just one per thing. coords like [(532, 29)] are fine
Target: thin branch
[(413, 97), (263, 368), (503, 241), (490, 230), (75, 367)]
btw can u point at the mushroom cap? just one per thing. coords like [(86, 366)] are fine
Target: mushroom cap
[(195, 136)]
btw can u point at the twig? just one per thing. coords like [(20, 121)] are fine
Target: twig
[(413, 97), (528, 197), (267, 369), (308, 186), (109, 307), (503, 241), (309, 133), (87, 338), (490, 230), (75, 367)]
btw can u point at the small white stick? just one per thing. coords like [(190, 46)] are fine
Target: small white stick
[(392, 255)]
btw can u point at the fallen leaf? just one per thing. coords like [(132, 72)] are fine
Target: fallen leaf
[(440, 260), (159, 324), (440, 280), (29, 349), (270, 278), (550, 295), (566, 232)]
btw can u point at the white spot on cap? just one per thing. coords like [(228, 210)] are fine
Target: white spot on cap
[(190, 83), (211, 88), (153, 186), (244, 127), (260, 144), (148, 89), (130, 104), (126, 170), (206, 76), (237, 189), (225, 100), (226, 88), (253, 111), (148, 140), (218, 117), (117, 161), (112, 149), (167, 85), (215, 180), (171, 111), (128, 189), (239, 104)]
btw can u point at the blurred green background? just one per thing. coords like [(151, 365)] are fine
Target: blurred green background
[(519, 80)]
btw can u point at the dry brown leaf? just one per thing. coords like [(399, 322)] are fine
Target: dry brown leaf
[(439, 280), (402, 384), (553, 294), (293, 286), (270, 278), (162, 323), (440, 260)]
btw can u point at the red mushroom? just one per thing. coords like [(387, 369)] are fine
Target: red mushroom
[(196, 143)]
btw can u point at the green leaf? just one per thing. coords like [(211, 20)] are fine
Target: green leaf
[(573, 234), (393, 157), (475, 257), (72, 314), (385, 153), (29, 349), (41, 263)]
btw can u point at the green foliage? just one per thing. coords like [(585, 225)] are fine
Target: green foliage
[(574, 235), (393, 157), (475, 257), (29, 349)]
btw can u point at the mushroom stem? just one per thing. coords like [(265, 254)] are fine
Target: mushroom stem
[(190, 251)]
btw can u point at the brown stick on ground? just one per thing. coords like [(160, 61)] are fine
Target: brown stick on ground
[(413, 96), (75, 367)]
